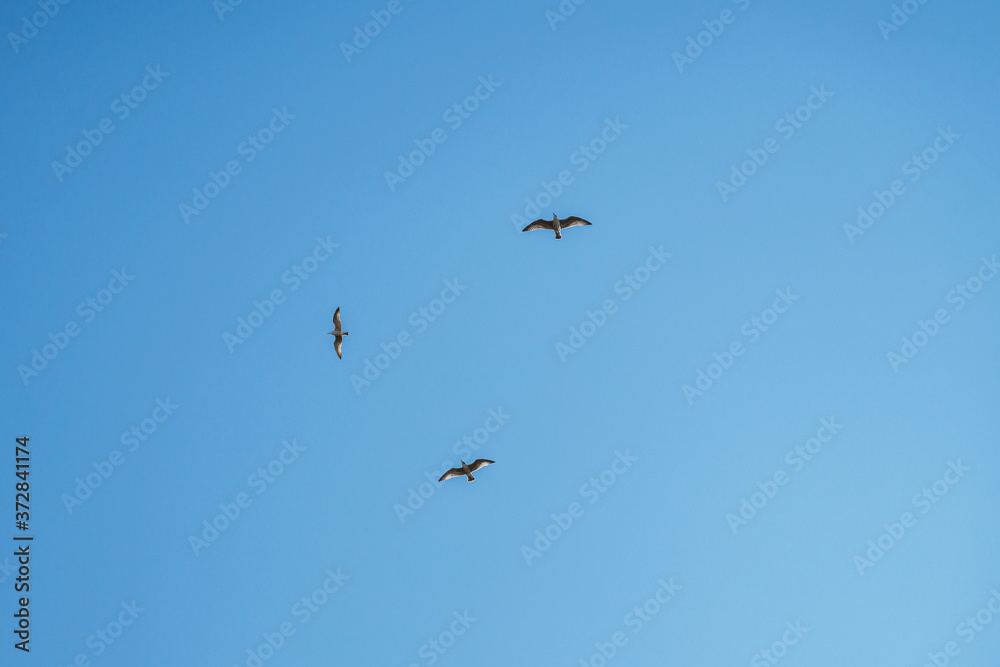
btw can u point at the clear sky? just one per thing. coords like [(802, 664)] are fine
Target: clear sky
[(748, 417)]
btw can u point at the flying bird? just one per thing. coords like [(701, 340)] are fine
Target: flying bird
[(337, 333), (467, 469), (555, 224)]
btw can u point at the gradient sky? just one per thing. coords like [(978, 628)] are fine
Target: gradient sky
[(288, 136)]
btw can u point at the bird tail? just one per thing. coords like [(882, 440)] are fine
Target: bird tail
[(471, 478)]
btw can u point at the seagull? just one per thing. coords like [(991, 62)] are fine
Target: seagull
[(466, 469), (337, 333), (555, 224)]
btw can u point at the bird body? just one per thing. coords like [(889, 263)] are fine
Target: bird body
[(555, 224), (467, 469), (337, 334)]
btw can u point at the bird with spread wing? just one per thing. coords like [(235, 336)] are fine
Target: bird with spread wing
[(556, 225), (467, 469), (337, 333)]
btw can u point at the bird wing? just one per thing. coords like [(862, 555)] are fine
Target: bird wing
[(573, 221), (454, 472), (479, 463), (538, 224), (338, 341), (336, 319)]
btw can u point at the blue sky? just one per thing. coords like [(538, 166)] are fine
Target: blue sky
[(732, 423)]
